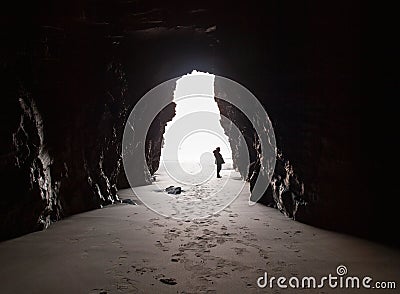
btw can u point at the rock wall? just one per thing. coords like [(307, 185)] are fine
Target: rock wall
[(65, 103), (304, 67), (72, 70), (155, 132), (66, 97)]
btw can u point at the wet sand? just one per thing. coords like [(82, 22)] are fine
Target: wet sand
[(130, 249)]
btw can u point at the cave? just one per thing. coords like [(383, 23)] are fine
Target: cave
[(72, 72)]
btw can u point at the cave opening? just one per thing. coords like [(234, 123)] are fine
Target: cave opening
[(184, 136), (182, 122), (191, 147)]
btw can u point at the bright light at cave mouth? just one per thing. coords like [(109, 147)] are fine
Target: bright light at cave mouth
[(194, 144)]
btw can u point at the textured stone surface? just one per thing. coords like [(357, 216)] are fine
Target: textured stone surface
[(71, 71)]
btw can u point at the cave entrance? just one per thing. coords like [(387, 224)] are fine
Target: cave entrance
[(195, 130), (185, 160)]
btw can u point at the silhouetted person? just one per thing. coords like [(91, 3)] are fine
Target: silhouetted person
[(218, 160)]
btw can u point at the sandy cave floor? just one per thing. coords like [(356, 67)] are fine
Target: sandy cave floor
[(130, 249)]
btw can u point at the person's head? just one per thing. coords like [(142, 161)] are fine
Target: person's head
[(218, 149)]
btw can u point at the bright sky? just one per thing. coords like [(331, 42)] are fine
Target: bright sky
[(193, 95)]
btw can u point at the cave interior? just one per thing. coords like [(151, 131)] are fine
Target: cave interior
[(71, 72)]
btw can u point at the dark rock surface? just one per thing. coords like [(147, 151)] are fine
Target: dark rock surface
[(173, 190), (129, 201), (155, 132), (65, 104), (71, 71)]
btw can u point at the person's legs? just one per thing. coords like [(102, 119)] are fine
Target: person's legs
[(218, 170)]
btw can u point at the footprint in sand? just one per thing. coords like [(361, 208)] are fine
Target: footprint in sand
[(98, 291), (143, 269), (161, 246), (117, 242), (263, 253), (168, 281), (85, 254), (220, 240), (239, 251)]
